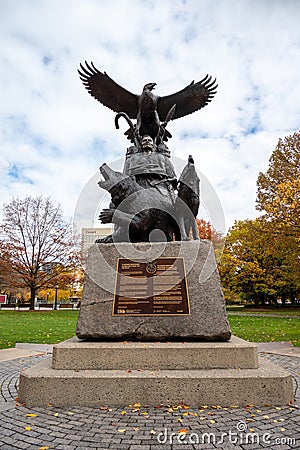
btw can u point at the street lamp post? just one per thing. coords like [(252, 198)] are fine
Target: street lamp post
[(55, 302)]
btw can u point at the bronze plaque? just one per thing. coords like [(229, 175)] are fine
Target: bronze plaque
[(156, 288)]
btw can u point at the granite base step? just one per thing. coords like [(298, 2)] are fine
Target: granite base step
[(76, 354), (268, 384)]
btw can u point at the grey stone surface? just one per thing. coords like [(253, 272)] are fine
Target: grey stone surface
[(41, 385), (76, 354), (98, 428), (279, 348), (207, 321), (14, 353), (40, 348)]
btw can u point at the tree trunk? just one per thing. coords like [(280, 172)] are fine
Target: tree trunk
[(32, 297), (256, 299), (293, 298)]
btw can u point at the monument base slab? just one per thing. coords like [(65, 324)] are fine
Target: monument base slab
[(86, 355), (179, 383)]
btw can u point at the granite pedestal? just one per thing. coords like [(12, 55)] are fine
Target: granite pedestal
[(167, 359), (207, 319)]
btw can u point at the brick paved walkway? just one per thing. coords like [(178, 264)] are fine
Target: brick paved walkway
[(137, 427)]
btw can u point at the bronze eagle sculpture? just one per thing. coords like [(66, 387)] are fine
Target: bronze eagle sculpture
[(151, 111)]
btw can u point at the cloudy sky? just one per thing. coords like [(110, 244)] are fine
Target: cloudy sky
[(54, 135)]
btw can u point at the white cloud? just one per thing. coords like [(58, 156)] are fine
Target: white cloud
[(56, 135)]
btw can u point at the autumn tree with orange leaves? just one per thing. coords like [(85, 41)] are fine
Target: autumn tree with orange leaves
[(38, 242), (261, 260)]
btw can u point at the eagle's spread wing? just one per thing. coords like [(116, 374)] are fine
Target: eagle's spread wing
[(190, 99), (107, 91)]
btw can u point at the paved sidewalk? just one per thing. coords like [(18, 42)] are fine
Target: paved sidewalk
[(24, 351), (136, 427), (279, 348)]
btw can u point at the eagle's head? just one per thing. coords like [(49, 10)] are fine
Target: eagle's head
[(149, 87)]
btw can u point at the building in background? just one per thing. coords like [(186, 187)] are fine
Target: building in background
[(89, 235)]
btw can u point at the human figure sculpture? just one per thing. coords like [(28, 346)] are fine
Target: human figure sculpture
[(144, 197), (150, 167)]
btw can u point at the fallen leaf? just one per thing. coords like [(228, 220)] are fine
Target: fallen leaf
[(123, 413), (185, 414), (137, 405), (31, 415), (121, 430), (282, 429), (136, 429), (71, 413), (182, 431), (55, 414), (282, 420), (152, 432), (212, 421), (27, 428), (251, 430), (179, 420), (266, 417), (44, 448), (278, 409)]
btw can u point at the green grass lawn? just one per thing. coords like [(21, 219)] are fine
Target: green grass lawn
[(43, 327), (51, 327), (289, 311), (265, 329)]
